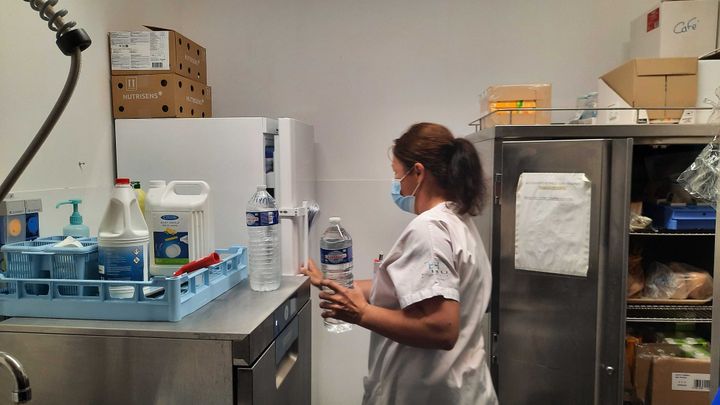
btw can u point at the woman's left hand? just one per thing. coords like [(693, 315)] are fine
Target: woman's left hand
[(346, 304)]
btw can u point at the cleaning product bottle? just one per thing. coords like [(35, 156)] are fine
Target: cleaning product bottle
[(139, 194), (76, 228), (123, 241), (180, 224)]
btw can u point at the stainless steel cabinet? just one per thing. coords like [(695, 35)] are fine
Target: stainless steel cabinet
[(560, 339), (243, 348)]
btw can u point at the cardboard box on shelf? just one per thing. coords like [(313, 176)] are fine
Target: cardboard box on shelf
[(156, 51), (160, 95), (515, 96), (663, 82), (644, 357), (678, 380), (675, 29), (708, 84)]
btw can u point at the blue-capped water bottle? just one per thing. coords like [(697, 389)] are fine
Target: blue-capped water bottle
[(264, 242), (336, 259)]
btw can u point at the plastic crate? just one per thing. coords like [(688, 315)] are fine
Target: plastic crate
[(72, 263), (684, 217), (28, 260), (160, 299)]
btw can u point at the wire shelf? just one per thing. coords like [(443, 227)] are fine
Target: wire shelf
[(669, 233), (669, 313), (478, 122)]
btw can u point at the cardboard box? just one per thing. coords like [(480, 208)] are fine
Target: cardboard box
[(708, 84), (644, 357), (675, 29), (160, 95), (515, 96), (157, 51), (678, 380), (664, 82)]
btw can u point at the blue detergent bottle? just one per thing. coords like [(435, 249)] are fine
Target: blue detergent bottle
[(76, 228)]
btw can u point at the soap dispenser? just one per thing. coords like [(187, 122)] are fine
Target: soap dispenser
[(76, 229)]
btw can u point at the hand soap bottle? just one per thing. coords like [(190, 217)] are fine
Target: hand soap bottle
[(76, 229)]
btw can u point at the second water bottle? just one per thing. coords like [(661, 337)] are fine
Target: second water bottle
[(337, 264)]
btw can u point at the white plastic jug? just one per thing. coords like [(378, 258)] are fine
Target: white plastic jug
[(181, 224), (123, 240)]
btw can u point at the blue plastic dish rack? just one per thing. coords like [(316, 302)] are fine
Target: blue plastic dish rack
[(160, 299)]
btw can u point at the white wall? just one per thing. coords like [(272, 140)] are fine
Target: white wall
[(360, 71), (32, 73)]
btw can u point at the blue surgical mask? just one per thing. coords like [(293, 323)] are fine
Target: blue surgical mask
[(406, 203)]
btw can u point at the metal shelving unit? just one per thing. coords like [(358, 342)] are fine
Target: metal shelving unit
[(669, 313)]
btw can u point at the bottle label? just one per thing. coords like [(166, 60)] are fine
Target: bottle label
[(171, 238), (263, 218), (336, 256), (123, 263)]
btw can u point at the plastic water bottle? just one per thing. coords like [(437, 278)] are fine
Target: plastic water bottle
[(336, 259), (264, 244)]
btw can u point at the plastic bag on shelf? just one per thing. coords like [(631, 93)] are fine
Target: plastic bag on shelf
[(677, 281), (701, 178), (639, 222)]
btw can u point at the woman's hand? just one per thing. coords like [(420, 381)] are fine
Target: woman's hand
[(345, 304), (316, 276)]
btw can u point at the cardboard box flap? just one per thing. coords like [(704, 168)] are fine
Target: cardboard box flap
[(154, 28), (712, 55), (665, 66), (621, 81)]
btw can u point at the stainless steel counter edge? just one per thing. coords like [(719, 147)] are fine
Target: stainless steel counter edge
[(233, 316)]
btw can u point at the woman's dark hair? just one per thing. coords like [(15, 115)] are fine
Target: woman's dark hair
[(453, 161)]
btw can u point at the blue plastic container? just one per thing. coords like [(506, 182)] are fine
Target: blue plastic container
[(686, 218), (161, 299), (72, 263), (28, 260)]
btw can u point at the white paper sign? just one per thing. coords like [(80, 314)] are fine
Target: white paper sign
[(552, 223)]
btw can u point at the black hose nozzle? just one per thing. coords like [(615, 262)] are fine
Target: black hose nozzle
[(75, 39)]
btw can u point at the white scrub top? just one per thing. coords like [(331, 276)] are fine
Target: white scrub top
[(438, 254)]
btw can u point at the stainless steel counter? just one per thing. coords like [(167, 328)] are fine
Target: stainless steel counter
[(232, 316), (245, 347)]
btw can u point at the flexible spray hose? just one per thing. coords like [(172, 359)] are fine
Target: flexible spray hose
[(47, 126), (71, 41)]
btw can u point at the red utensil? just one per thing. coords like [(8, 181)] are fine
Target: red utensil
[(206, 261)]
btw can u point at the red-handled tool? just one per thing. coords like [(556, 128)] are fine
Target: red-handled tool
[(206, 261)]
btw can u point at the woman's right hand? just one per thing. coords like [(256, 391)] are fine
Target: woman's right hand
[(316, 276)]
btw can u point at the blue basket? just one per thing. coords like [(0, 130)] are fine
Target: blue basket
[(28, 260), (161, 299), (72, 263)]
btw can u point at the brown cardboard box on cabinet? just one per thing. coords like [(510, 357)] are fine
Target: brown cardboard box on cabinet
[(160, 95), (515, 96), (157, 51), (659, 82)]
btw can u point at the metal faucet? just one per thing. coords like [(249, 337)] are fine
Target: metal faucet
[(22, 393)]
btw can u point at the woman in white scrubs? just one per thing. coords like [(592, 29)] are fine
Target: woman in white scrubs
[(425, 304)]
